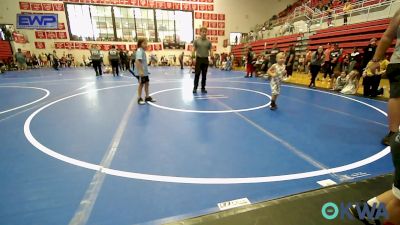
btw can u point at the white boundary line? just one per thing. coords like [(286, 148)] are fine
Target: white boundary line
[(211, 111), (30, 103), (192, 180)]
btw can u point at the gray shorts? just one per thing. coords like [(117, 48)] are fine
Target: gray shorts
[(276, 85)]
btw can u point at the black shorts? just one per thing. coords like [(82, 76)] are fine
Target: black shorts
[(393, 74), (395, 150), (143, 79)]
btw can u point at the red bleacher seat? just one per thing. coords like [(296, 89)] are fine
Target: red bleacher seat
[(5, 50)]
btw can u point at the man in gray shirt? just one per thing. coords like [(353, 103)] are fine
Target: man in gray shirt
[(201, 51), (95, 55), (113, 56)]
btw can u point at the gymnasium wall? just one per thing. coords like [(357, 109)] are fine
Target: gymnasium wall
[(238, 16)]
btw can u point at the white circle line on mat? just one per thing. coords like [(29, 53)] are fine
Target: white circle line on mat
[(196, 180), (27, 104)]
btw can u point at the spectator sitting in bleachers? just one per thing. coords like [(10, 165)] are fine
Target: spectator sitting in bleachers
[(340, 82), (227, 65), (351, 86), (2, 66)]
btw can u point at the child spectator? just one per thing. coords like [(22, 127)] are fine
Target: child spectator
[(351, 86), (340, 82)]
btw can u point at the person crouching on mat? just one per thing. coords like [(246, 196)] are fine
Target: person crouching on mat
[(142, 72), (276, 73)]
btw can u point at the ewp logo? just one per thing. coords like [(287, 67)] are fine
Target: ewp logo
[(330, 211), (37, 21)]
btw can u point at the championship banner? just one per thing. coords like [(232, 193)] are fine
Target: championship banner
[(159, 47), (59, 45), (40, 34), (36, 6), (40, 45), (51, 35), (47, 6), (19, 38), (198, 15), (62, 35), (24, 6), (123, 47)]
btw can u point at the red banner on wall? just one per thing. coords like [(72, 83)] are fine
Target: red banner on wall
[(132, 47), (210, 1), (143, 3), (24, 6), (225, 43), (206, 16), (158, 47), (221, 33), (169, 5), (198, 15), (19, 38), (78, 45), (206, 24), (59, 45), (177, 6), (194, 7), (62, 35), (186, 6), (202, 7), (85, 46), (149, 47), (51, 35), (40, 34), (47, 6), (123, 47), (152, 4), (160, 5), (58, 7), (40, 45), (134, 2), (213, 24), (36, 7), (61, 26), (210, 7), (69, 45), (221, 16), (105, 47), (214, 16), (221, 25)]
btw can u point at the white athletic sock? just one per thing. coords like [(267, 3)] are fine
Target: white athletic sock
[(372, 201)]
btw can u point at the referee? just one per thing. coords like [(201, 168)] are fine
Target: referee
[(201, 51)]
